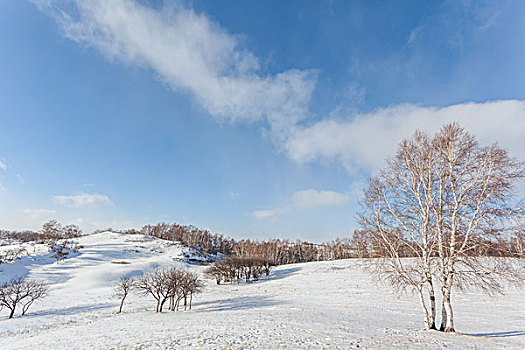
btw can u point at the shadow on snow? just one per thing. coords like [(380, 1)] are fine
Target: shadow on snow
[(498, 334), (240, 303)]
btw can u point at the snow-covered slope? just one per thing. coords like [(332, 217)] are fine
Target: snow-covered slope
[(313, 305)]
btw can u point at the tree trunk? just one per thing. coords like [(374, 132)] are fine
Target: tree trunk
[(191, 298), (432, 297), (158, 305), (449, 326), (443, 314), (12, 312), (424, 307), (121, 303)]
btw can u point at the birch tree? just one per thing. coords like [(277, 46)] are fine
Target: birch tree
[(476, 202), (443, 201), (397, 214)]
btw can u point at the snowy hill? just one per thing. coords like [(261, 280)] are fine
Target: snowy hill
[(312, 305)]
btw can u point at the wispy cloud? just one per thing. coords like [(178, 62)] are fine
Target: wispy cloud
[(39, 213), (270, 214), (3, 164), (20, 179), (189, 52), (313, 198), (83, 200), (305, 199)]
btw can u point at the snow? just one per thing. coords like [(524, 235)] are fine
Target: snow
[(307, 306)]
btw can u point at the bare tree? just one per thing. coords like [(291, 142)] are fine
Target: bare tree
[(52, 230), (191, 285), (122, 289), (154, 283), (215, 272), (445, 202), (17, 291), (71, 231)]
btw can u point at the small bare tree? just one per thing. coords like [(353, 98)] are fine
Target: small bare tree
[(193, 286), (122, 289), (214, 272), (52, 230)]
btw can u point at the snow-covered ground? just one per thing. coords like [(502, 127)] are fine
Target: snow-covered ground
[(304, 306)]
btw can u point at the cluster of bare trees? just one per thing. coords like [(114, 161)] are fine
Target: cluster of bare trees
[(12, 254), (18, 291), (51, 232), (170, 284), (239, 268), (447, 202), (188, 235)]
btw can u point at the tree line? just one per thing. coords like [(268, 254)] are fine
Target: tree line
[(51, 232), (283, 251)]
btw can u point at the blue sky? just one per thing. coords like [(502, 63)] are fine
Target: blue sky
[(254, 119)]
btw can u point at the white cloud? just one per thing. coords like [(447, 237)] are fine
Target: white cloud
[(189, 52), (83, 200), (3, 164), (313, 198), (366, 140), (39, 213), (305, 199), (271, 214)]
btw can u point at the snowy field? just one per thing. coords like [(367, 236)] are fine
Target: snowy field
[(331, 305)]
